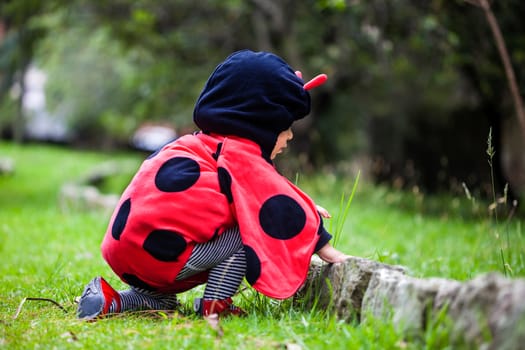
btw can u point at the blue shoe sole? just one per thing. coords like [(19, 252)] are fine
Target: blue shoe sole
[(91, 303)]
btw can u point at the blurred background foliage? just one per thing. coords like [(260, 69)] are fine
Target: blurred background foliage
[(414, 86)]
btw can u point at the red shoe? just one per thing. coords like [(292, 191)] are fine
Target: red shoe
[(222, 307), (97, 299)]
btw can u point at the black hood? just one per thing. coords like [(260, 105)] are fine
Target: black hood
[(254, 95)]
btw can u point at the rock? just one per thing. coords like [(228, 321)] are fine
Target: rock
[(340, 287), (488, 311), (84, 194), (404, 299), (101, 173), (7, 166), (83, 197)]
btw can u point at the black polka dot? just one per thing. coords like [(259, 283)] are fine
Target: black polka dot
[(134, 281), (225, 183), (164, 245), (253, 265), (121, 219), (282, 217), (177, 174)]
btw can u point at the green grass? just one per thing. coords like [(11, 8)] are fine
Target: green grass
[(51, 253)]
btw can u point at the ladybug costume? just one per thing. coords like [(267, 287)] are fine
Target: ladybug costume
[(199, 186)]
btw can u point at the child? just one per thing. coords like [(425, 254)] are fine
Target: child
[(211, 208)]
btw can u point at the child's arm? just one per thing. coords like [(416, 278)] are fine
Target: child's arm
[(324, 213), (331, 255), (327, 252)]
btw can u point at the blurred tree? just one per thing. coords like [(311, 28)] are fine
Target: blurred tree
[(174, 45), (413, 85), (504, 55), (20, 33), (479, 63), (91, 84), (417, 86), (156, 56)]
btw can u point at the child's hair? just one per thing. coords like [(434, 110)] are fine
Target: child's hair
[(254, 95)]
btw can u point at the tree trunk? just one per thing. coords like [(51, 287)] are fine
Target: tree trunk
[(507, 65)]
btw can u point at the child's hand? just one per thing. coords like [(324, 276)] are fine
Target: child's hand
[(324, 213), (331, 255)]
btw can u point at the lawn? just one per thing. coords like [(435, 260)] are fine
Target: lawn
[(49, 251)]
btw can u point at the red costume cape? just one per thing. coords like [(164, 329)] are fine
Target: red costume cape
[(196, 188)]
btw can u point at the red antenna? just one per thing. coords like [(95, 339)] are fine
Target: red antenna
[(315, 82)]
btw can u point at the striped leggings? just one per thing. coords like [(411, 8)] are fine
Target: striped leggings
[(223, 257)]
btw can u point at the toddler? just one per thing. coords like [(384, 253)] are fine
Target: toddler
[(211, 207)]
